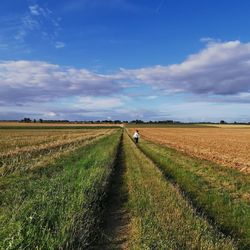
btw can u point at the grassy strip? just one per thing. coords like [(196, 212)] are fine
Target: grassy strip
[(116, 216), (222, 193), (58, 207), (160, 217)]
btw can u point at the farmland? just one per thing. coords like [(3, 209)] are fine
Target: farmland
[(54, 125), (92, 188), (21, 150), (220, 192), (52, 192), (229, 146)]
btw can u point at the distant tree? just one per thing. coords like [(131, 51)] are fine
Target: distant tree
[(41, 120), (107, 121), (26, 119), (34, 120), (170, 121), (137, 121), (222, 122)]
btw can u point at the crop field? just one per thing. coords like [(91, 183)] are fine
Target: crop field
[(94, 188), (219, 191), (21, 150), (229, 146), (50, 180), (44, 124)]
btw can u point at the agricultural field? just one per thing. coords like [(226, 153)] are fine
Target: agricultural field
[(51, 185), (94, 188), (211, 167), (21, 149), (228, 145), (44, 124)]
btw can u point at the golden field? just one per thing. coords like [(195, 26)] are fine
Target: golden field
[(22, 149), (44, 124), (228, 146)]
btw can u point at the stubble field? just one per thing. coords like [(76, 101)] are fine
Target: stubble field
[(228, 146)]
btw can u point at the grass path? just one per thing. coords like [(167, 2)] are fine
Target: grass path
[(160, 218), (219, 192), (116, 217)]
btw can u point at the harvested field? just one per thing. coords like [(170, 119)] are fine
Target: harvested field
[(21, 150), (25, 139), (92, 188), (225, 146), (59, 205), (39, 124)]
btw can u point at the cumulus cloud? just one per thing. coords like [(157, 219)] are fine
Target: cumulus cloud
[(22, 81), (218, 73), (220, 69)]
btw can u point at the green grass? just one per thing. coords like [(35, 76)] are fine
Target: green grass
[(160, 217), (221, 193), (59, 206)]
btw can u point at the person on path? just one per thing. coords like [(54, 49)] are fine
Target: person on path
[(136, 136)]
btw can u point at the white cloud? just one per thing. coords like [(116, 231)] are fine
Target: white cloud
[(50, 114), (34, 10), (220, 72), (59, 45), (37, 10), (98, 103), (40, 22), (209, 40), (30, 80), (220, 69), (213, 81), (207, 111)]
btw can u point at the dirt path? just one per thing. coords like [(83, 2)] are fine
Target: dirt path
[(162, 217), (116, 223)]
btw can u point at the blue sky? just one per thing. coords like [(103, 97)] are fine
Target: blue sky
[(125, 59)]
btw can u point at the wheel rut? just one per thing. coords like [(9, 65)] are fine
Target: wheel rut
[(116, 216)]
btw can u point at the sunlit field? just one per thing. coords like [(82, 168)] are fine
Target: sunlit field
[(71, 188), (227, 145)]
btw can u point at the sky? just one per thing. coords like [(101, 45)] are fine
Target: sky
[(185, 60)]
